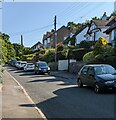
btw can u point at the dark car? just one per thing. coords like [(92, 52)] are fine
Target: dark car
[(42, 67), (99, 76)]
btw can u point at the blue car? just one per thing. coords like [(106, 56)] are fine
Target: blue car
[(42, 67), (99, 76)]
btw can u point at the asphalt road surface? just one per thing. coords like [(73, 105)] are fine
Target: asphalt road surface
[(61, 98)]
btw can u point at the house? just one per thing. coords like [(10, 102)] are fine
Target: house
[(37, 46), (115, 6), (47, 39), (111, 31), (96, 29), (50, 39), (80, 34), (104, 17)]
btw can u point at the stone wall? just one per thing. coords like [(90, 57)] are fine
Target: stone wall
[(74, 67)]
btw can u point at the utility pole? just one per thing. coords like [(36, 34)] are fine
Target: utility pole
[(21, 40), (55, 39)]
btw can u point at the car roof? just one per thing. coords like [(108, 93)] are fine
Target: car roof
[(41, 62), (23, 62), (94, 65)]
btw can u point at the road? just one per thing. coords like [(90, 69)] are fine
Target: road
[(60, 98)]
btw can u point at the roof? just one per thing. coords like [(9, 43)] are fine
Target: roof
[(110, 28), (100, 22), (112, 20), (78, 31), (63, 27), (37, 44)]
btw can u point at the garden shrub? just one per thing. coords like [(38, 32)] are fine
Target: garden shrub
[(88, 57), (79, 53)]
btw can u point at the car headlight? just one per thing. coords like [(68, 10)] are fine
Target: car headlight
[(109, 82), (39, 68), (48, 68)]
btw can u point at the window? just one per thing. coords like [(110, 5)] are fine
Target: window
[(65, 38), (84, 70), (91, 70), (48, 40)]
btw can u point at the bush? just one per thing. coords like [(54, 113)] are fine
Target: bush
[(49, 55), (86, 44), (79, 53), (88, 57)]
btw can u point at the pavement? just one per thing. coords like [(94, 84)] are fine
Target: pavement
[(64, 74), (15, 101)]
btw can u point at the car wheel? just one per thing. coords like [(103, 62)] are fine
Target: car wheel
[(97, 88), (48, 72), (80, 84), (37, 72)]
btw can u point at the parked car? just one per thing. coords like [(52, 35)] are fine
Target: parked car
[(42, 67), (12, 62), (99, 76), (20, 64), (29, 67)]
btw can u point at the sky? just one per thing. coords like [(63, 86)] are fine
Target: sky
[(33, 19)]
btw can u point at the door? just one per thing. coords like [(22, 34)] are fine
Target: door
[(90, 76), (84, 75)]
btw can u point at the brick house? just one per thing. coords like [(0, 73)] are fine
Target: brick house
[(49, 38)]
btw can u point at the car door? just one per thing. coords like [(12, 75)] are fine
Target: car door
[(83, 75), (36, 67), (90, 76)]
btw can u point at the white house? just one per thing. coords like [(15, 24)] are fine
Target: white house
[(80, 35), (111, 31), (37, 46), (96, 29), (115, 6)]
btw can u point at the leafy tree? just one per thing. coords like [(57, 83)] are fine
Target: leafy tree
[(95, 18), (73, 27), (7, 49), (18, 50), (27, 50)]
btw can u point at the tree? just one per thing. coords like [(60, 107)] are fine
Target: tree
[(73, 27), (18, 50), (7, 49)]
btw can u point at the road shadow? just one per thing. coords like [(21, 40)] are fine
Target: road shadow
[(58, 81), (27, 73), (74, 102)]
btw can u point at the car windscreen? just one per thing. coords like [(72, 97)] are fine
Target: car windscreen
[(30, 65), (23, 64), (43, 64), (99, 70)]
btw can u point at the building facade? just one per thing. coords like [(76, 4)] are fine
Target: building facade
[(50, 39)]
